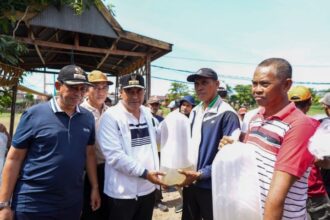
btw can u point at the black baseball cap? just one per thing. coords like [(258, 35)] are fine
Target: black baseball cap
[(131, 80), (204, 72), (73, 75)]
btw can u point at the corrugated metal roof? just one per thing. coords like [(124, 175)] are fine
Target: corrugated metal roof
[(90, 22)]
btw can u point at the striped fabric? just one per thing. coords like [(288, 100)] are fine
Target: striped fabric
[(139, 134), (268, 135)]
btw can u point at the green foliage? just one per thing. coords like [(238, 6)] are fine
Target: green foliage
[(178, 90), (11, 50), (5, 99), (243, 96)]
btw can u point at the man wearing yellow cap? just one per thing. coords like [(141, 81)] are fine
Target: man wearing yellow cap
[(95, 103)]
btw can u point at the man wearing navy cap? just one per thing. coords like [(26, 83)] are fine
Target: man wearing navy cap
[(186, 105), (52, 145), (127, 136), (210, 121)]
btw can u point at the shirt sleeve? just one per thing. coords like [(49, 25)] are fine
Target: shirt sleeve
[(24, 132), (111, 140), (293, 156), (231, 125)]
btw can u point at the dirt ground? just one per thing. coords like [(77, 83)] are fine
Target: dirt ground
[(171, 199)]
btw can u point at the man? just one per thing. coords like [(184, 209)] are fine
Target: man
[(127, 137), (95, 103), (318, 205), (281, 132), (154, 105), (52, 145), (210, 120), (186, 104)]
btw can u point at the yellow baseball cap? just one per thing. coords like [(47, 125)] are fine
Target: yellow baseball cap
[(97, 76), (299, 93)]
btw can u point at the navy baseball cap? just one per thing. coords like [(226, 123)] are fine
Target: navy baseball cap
[(73, 75), (131, 80), (204, 72), (188, 99)]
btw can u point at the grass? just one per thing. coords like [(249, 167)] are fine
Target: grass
[(316, 110), (5, 119)]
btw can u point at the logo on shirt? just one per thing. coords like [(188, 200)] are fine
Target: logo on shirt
[(86, 130)]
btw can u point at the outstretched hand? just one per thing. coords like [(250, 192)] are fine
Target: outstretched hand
[(191, 176), (153, 176), (224, 141)]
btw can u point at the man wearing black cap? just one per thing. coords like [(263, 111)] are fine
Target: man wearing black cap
[(127, 137), (210, 121), (52, 145)]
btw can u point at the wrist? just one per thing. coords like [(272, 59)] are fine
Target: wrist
[(5, 204), (144, 174)]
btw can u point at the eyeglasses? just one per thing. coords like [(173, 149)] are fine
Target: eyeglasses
[(101, 88)]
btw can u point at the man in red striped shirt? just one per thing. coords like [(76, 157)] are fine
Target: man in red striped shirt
[(281, 133)]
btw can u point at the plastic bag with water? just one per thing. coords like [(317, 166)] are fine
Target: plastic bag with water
[(235, 187), (174, 131), (319, 142)]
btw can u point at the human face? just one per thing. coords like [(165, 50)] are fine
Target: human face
[(206, 89), (70, 95), (97, 94), (132, 98), (269, 90), (154, 107), (186, 108)]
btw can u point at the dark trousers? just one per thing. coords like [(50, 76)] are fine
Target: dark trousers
[(132, 209), (72, 213), (102, 213), (197, 203)]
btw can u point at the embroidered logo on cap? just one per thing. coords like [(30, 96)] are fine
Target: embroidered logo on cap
[(133, 80)]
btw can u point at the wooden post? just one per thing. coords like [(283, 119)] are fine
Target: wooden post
[(12, 111), (148, 77)]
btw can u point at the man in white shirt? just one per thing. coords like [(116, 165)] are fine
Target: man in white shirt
[(95, 103), (127, 137)]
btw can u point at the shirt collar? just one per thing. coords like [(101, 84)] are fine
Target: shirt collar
[(284, 112), (213, 106), (93, 109), (56, 108)]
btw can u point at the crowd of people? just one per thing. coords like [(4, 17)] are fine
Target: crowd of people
[(75, 157)]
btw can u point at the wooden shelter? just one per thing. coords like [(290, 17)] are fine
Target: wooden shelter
[(92, 40)]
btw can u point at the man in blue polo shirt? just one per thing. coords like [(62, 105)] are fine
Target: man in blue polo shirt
[(43, 173), (210, 121)]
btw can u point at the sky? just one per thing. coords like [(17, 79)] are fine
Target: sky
[(232, 37)]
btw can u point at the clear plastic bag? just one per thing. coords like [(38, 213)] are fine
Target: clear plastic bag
[(174, 131), (235, 187), (319, 142)]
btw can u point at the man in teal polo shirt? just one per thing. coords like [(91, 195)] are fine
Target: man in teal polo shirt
[(43, 173)]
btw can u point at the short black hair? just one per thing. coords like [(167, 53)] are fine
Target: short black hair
[(303, 104), (282, 66)]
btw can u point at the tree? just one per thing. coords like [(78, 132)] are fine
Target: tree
[(178, 90), (243, 96)]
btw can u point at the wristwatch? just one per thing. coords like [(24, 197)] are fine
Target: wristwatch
[(4, 205)]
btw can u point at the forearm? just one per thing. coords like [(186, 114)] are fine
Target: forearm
[(10, 173), (91, 167)]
